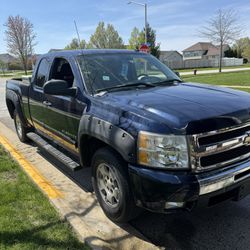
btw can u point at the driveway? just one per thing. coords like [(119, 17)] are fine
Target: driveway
[(226, 226)]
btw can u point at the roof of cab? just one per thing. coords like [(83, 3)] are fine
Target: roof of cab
[(87, 52)]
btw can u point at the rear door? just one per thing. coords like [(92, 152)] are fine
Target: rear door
[(36, 100)]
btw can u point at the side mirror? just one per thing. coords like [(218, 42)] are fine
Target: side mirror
[(26, 79), (59, 87)]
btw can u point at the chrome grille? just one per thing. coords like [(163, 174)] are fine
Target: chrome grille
[(220, 148)]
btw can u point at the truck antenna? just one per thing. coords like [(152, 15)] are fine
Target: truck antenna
[(79, 40)]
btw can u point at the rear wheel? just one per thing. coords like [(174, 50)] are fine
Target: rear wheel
[(20, 128), (110, 182)]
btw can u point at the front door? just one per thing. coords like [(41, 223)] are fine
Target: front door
[(63, 112)]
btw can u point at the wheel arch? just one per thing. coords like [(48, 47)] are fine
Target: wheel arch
[(11, 107), (95, 133), (13, 103)]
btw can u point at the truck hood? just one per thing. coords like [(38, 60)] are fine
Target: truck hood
[(189, 106)]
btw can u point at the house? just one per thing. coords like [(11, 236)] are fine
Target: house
[(7, 58), (214, 52), (171, 58), (171, 55), (203, 50)]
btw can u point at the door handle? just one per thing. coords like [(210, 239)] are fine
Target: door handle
[(46, 103)]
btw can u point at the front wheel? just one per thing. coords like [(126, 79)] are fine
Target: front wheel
[(20, 128), (110, 182)]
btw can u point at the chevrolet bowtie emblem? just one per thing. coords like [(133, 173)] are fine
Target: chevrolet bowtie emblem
[(246, 140)]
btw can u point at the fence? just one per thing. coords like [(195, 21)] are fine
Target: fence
[(203, 63), (174, 64)]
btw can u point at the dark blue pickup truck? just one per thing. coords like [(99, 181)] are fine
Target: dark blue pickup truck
[(152, 140)]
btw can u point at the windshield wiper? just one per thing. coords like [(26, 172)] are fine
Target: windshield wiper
[(169, 81), (117, 87)]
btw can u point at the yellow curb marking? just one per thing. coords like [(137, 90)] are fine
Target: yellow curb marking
[(35, 175)]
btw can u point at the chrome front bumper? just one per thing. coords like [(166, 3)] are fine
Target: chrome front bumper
[(223, 178), (164, 191)]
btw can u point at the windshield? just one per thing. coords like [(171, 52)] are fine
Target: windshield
[(114, 70)]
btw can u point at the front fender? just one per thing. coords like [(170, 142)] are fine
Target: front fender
[(115, 137)]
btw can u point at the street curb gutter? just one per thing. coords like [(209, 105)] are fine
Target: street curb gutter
[(78, 207)]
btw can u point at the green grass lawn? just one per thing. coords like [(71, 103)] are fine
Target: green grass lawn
[(13, 74), (234, 78), (27, 219), (227, 67)]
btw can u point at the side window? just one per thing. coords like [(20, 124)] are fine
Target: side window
[(61, 70), (42, 73)]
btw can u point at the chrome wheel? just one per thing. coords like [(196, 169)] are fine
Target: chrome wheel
[(108, 185), (19, 128)]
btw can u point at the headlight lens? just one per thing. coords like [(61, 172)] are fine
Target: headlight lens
[(162, 151)]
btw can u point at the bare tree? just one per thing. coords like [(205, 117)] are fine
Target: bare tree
[(20, 38), (223, 28)]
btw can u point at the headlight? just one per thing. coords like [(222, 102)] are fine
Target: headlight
[(162, 151)]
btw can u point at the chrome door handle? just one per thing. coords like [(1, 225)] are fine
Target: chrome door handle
[(46, 103)]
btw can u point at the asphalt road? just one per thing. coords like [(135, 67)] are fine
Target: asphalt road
[(4, 117), (226, 226)]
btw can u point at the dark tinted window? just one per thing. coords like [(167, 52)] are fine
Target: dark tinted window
[(61, 70), (42, 73)]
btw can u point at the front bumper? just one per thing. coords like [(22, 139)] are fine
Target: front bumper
[(162, 191)]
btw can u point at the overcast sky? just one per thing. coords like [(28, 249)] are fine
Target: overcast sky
[(176, 21)]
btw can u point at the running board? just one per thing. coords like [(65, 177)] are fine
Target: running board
[(67, 161)]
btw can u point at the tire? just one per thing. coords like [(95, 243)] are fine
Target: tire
[(114, 196), (21, 130)]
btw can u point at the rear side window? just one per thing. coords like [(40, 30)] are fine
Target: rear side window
[(42, 73)]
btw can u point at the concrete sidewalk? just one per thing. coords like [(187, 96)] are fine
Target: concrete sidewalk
[(201, 72), (74, 204)]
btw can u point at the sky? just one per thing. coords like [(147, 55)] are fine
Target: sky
[(176, 21)]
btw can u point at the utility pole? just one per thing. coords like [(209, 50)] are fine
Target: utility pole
[(146, 16)]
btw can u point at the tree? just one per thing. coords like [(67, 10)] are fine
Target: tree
[(137, 38), (113, 38), (106, 38), (74, 44), (223, 28), (15, 65), (151, 35), (155, 50), (231, 52), (151, 39), (3, 66), (20, 38), (246, 53), (241, 45), (134, 41)]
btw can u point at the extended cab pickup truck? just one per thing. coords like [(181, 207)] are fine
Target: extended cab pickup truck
[(152, 140)]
